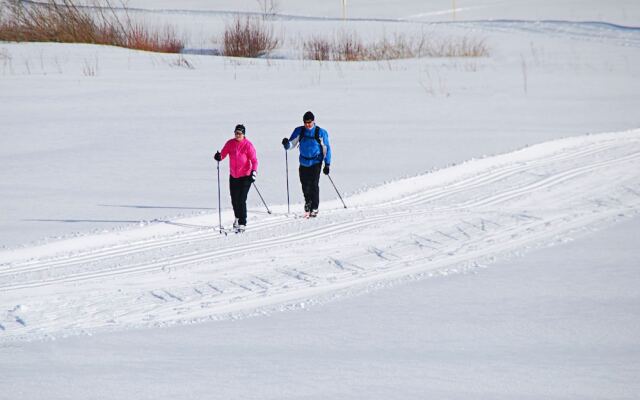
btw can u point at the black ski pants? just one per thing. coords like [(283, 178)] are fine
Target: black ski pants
[(310, 179), (239, 188)]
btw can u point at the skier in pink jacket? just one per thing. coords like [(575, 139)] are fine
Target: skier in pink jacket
[(243, 168)]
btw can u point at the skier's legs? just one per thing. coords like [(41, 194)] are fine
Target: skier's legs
[(242, 199), (235, 188), (310, 179), (315, 186), (306, 181)]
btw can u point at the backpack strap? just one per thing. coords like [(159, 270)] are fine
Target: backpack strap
[(316, 134), (323, 148), (317, 137)]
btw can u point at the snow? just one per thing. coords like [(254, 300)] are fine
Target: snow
[(129, 136), (560, 323), (452, 273), (449, 220), (623, 12)]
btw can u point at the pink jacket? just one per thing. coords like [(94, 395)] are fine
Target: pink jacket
[(242, 157)]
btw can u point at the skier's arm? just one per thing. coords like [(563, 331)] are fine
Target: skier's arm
[(294, 140), (225, 151), (253, 157), (326, 148)]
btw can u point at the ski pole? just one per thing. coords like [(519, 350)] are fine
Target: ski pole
[(219, 210), (263, 202), (286, 161), (334, 186)]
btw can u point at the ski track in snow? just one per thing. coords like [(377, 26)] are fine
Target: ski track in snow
[(444, 222), (596, 31)]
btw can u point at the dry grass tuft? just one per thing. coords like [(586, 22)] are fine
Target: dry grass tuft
[(248, 37), (462, 47), (349, 47), (181, 62), (318, 48), (164, 42), (64, 22)]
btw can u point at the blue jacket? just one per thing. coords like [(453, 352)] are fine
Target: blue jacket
[(311, 152)]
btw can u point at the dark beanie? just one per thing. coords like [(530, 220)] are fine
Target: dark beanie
[(240, 128), (308, 116)]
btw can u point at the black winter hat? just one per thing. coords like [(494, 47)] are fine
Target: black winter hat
[(308, 116), (240, 128)]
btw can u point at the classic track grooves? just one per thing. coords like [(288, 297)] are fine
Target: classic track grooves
[(483, 179)]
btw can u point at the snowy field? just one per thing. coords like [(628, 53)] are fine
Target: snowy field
[(464, 266), (561, 323)]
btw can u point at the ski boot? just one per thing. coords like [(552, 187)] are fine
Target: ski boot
[(307, 210)]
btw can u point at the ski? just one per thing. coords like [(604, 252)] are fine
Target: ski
[(227, 231)]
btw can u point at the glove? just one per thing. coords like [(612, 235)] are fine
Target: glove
[(326, 169), (254, 176), (285, 143), (218, 156)]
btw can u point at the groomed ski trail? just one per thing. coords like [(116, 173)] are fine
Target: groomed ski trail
[(448, 221)]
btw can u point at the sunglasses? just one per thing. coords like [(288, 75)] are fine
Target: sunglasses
[(238, 133)]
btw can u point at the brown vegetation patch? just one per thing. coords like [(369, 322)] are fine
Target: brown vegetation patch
[(349, 47), (65, 22), (248, 37)]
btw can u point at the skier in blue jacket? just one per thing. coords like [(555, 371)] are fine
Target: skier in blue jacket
[(313, 142)]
